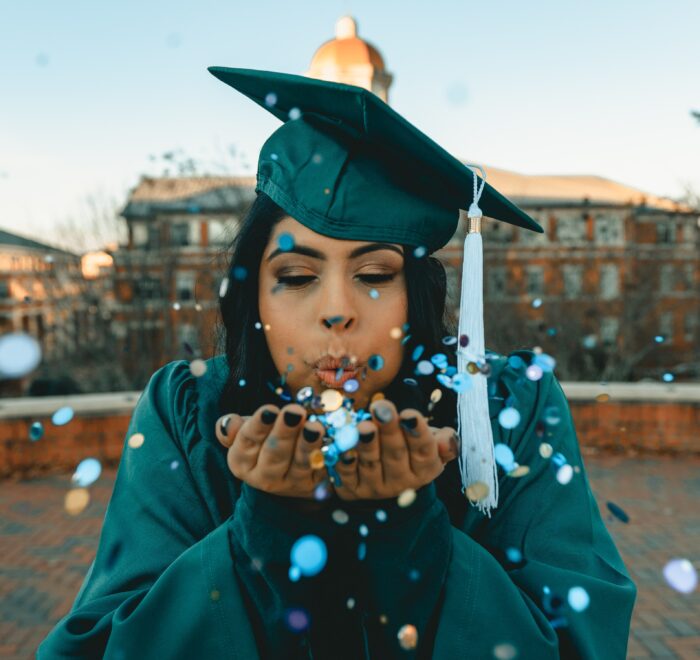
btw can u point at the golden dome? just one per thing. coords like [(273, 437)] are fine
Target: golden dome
[(346, 50)]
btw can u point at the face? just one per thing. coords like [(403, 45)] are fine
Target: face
[(329, 305)]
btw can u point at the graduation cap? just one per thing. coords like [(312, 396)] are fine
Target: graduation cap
[(347, 165)]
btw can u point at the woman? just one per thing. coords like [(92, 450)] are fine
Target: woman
[(247, 524)]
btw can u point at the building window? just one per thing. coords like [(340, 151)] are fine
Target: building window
[(689, 276), (609, 329), (529, 237), (4, 289), (573, 280), (153, 236), (188, 337), (690, 324), (666, 231), (218, 232), (184, 285), (139, 234), (180, 234), (534, 280), (666, 278), (666, 325), (571, 229), (496, 281), (608, 230), (609, 281), (148, 288)]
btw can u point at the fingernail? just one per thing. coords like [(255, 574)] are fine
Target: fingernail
[(383, 413), (409, 423), (366, 437), (310, 435), (224, 424), (347, 459), (291, 418), (268, 416)]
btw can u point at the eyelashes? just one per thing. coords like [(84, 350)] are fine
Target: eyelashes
[(297, 281)]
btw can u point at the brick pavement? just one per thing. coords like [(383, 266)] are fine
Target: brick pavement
[(44, 552)]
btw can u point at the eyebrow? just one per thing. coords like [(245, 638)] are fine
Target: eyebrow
[(315, 254)]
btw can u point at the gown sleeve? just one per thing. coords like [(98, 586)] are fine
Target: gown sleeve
[(162, 584), (509, 584)]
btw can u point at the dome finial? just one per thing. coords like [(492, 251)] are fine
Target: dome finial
[(345, 27)]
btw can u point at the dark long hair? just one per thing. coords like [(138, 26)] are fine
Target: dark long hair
[(250, 364)]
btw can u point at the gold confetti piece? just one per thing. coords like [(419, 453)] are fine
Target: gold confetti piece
[(504, 652), (395, 333), (546, 450), (331, 400), (136, 440), (198, 368), (603, 397), (215, 595), (406, 498), (316, 459), (436, 395), (473, 368), (383, 619), (519, 471), (477, 491), (408, 637), (76, 500), (267, 326)]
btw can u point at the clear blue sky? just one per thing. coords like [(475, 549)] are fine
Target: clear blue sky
[(89, 89)]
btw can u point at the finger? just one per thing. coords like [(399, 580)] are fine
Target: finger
[(277, 451), (369, 458), (447, 444), (422, 445), (227, 427), (243, 453), (309, 439), (394, 450)]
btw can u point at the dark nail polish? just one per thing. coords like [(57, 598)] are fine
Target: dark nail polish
[(310, 435), (409, 423), (383, 414), (366, 437), (291, 419), (348, 460), (224, 424), (268, 416)]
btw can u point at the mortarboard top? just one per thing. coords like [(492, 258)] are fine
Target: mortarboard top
[(347, 165)]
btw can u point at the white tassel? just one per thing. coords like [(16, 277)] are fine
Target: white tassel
[(477, 461)]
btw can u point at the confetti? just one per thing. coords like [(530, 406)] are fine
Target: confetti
[(297, 619), (36, 431), (62, 416), (136, 440), (309, 555), (408, 637), (375, 362), (509, 418), (76, 501), (20, 354), (331, 400), (419, 252), (545, 450), (504, 651), (617, 512), (340, 516), (477, 491), (406, 498), (578, 599), (681, 575), (285, 242), (198, 368), (87, 472)]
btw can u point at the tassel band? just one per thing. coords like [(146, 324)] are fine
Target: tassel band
[(474, 225)]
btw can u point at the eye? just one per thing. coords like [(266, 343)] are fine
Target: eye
[(294, 280), (376, 278)]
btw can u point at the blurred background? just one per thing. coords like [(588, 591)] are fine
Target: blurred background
[(125, 168)]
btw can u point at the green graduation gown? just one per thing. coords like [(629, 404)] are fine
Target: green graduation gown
[(191, 563)]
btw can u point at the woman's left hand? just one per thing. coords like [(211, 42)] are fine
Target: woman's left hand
[(395, 453)]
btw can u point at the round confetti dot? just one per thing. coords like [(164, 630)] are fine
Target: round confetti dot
[(383, 619), (375, 362), (380, 515), (304, 394), (198, 368), (618, 512), (177, 306), (414, 575), (589, 341), (62, 416), (681, 575), (504, 651), (364, 530), (668, 377), (419, 252), (417, 352), (285, 242), (294, 573), (462, 383), (552, 415), (504, 456), (136, 440), (350, 603), (270, 99), (20, 353), (36, 431), (87, 472), (514, 555), (578, 599), (477, 491), (309, 554), (463, 341), (435, 395), (406, 498), (408, 637), (373, 294), (545, 450), (519, 471), (321, 492), (331, 400), (395, 333), (449, 340), (258, 325), (76, 500), (317, 159), (340, 516), (564, 474), (361, 551), (294, 113), (215, 595), (296, 619), (604, 397), (509, 418), (439, 360), (472, 368), (239, 273), (351, 385), (347, 437), (659, 339), (174, 465), (534, 372), (316, 459), (274, 156), (545, 362), (537, 303)]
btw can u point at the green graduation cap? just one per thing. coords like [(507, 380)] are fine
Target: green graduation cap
[(347, 165)]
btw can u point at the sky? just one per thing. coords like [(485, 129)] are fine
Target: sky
[(90, 90)]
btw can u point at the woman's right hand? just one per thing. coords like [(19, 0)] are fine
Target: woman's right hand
[(270, 450)]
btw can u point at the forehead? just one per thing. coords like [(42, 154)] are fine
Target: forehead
[(308, 237)]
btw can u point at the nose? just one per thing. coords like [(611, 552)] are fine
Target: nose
[(337, 311)]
